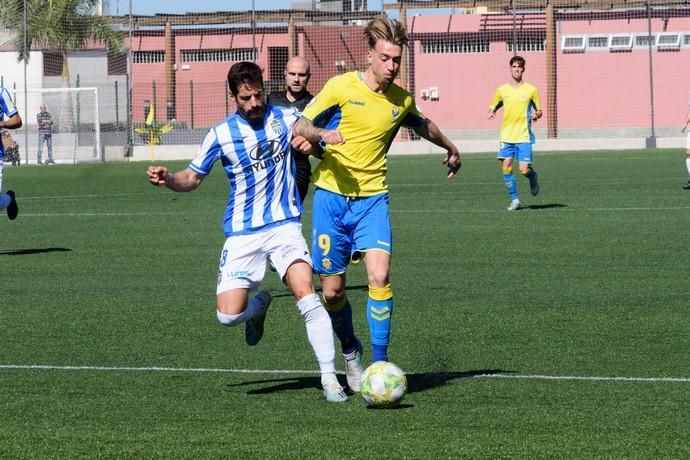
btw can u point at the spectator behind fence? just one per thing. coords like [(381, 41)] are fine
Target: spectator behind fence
[(45, 134)]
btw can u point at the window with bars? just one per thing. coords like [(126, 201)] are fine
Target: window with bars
[(469, 44), (644, 40), (536, 43), (598, 42), (148, 57), (219, 55)]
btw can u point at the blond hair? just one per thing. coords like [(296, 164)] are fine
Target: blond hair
[(384, 28)]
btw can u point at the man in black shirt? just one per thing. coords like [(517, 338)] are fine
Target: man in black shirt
[(296, 80)]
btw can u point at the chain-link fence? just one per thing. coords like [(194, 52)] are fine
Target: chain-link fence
[(604, 70)]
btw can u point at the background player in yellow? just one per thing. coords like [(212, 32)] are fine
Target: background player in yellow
[(361, 112), (521, 107)]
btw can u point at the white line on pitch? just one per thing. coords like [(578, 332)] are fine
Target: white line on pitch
[(153, 369), (587, 378), (296, 371)]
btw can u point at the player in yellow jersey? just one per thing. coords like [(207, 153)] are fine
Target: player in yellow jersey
[(521, 107), (361, 112)]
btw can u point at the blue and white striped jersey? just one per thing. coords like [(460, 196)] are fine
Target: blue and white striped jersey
[(259, 165), (7, 109)]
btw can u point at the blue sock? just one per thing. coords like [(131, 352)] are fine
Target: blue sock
[(511, 185), (343, 327), (379, 317)]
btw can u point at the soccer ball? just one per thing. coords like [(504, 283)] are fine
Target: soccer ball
[(383, 384)]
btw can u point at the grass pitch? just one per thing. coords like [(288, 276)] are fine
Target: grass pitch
[(558, 331)]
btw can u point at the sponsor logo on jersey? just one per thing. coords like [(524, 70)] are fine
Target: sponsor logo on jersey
[(238, 274), (287, 250), (266, 154), (353, 102)]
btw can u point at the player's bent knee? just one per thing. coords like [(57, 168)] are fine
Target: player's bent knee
[(507, 169), (227, 319), (333, 304)]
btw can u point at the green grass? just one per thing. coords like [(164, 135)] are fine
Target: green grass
[(103, 271)]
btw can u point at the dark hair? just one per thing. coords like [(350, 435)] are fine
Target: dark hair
[(519, 59), (244, 73)]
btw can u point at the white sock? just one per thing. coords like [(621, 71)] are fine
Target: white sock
[(254, 306), (319, 332), (687, 164), (229, 320), (5, 200)]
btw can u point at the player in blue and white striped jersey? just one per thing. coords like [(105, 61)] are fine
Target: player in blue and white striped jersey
[(259, 166), (9, 119), (262, 217)]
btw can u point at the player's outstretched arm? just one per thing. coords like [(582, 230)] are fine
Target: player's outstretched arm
[(181, 181), (431, 132)]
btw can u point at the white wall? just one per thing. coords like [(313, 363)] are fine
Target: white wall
[(13, 77)]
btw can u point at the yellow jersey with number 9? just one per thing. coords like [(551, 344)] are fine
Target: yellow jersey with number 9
[(368, 122)]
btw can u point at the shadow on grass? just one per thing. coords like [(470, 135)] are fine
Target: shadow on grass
[(415, 382), (26, 252), (544, 206)]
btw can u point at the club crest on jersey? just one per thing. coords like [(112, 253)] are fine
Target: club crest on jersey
[(276, 127), (395, 112), (326, 262)]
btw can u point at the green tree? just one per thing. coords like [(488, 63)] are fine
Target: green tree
[(60, 25)]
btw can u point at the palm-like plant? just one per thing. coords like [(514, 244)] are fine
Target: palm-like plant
[(61, 25)]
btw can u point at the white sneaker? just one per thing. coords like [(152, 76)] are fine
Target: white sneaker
[(254, 328), (333, 392), (514, 205), (353, 368)]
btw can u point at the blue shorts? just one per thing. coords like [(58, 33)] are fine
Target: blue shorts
[(343, 226), (521, 151)]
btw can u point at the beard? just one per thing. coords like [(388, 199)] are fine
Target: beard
[(253, 116)]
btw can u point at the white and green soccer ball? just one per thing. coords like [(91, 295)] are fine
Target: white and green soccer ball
[(383, 384)]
